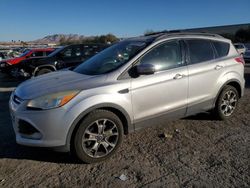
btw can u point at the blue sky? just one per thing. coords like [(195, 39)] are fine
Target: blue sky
[(33, 19)]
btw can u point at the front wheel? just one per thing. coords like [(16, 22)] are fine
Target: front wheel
[(226, 103), (43, 71), (98, 136)]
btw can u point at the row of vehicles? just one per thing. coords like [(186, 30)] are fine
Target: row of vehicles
[(36, 62), (7, 52), (244, 50)]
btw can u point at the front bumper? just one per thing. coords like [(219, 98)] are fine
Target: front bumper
[(51, 126), (4, 67)]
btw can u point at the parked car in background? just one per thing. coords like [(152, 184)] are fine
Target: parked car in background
[(247, 53), (240, 47), (64, 57), (134, 83), (11, 65), (2, 55)]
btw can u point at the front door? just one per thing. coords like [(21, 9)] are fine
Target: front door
[(164, 92)]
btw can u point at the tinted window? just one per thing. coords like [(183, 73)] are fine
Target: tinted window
[(88, 50), (200, 50), (238, 46), (37, 54), (78, 51), (67, 52), (25, 53), (165, 56), (222, 48)]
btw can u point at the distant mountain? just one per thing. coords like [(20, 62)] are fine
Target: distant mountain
[(57, 37)]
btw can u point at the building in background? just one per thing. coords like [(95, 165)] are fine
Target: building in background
[(237, 33), (225, 29)]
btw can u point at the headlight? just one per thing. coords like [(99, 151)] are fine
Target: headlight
[(4, 64), (52, 101)]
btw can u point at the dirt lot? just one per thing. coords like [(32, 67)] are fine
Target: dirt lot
[(203, 153)]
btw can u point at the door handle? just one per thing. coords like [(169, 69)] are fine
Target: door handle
[(218, 67), (123, 91), (178, 76)]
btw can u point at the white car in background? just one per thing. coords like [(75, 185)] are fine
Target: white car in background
[(240, 47)]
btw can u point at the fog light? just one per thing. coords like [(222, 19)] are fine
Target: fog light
[(34, 136), (26, 130)]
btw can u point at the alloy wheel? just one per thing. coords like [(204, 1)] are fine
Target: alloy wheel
[(100, 138), (229, 102)]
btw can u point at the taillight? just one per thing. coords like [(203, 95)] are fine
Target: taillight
[(240, 60)]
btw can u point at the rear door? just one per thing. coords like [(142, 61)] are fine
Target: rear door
[(204, 72)]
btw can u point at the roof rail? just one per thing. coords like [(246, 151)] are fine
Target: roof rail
[(183, 32), (200, 33)]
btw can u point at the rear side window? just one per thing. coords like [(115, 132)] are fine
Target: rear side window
[(200, 50), (78, 51), (222, 48), (37, 54), (67, 52)]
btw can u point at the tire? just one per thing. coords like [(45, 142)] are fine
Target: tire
[(226, 103), (14, 72), (102, 131), (43, 71)]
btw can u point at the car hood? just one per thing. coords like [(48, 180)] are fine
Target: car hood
[(12, 60), (57, 82)]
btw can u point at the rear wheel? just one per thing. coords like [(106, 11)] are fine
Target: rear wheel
[(43, 71), (98, 136), (226, 103)]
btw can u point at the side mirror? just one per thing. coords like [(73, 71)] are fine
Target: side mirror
[(145, 69)]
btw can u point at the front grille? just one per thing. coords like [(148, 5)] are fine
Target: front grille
[(17, 99)]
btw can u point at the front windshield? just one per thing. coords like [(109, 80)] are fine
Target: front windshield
[(111, 58), (55, 52), (25, 53)]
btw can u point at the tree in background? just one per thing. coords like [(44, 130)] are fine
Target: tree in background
[(243, 35), (24, 44), (103, 39), (149, 31), (63, 41), (229, 36)]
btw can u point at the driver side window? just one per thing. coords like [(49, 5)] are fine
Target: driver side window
[(67, 52), (164, 56)]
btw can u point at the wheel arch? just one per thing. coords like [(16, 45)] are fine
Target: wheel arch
[(119, 111), (232, 82), (51, 67)]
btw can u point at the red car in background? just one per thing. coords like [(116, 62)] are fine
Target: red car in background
[(7, 65)]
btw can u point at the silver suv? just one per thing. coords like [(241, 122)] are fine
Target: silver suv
[(134, 83)]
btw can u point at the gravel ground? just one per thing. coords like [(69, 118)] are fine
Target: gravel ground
[(201, 153)]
